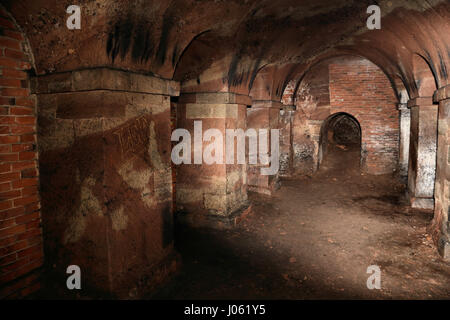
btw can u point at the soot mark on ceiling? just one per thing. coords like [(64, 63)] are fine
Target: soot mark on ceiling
[(164, 40), (126, 35), (443, 68)]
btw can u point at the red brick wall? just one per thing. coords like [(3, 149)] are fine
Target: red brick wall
[(315, 84), (21, 251), (288, 94), (360, 88), (345, 84)]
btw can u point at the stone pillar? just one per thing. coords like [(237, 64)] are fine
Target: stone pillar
[(440, 227), (405, 129), (286, 117), (104, 156), (264, 114), (211, 195), (422, 153)]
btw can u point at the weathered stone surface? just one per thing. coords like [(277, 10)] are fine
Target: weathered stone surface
[(215, 98), (444, 248), (107, 188), (103, 79), (405, 128), (217, 111), (263, 115), (286, 157), (440, 227), (422, 154), (442, 94), (210, 192)]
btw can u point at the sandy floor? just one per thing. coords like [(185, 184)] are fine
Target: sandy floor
[(315, 239)]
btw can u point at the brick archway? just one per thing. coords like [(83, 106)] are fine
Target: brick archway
[(328, 132)]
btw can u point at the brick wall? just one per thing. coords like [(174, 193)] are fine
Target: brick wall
[(312, 101), (314, 91), (288, 94), (21, 252), (361, 89), (345, 84)]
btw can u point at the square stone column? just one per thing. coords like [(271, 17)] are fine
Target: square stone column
[(104, 156), (211, 195), (422, 153), (440, 227), (405, 131), (264, 114), (286, 152)]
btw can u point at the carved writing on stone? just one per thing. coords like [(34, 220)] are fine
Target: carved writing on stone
[(133, 137)]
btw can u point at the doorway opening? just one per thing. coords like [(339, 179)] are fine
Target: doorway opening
[(340, 142)]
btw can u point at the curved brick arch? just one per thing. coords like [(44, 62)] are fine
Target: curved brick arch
[(334, 119), (425, 76), (355, 86), (328, 126), (21, 249), (301, 72)]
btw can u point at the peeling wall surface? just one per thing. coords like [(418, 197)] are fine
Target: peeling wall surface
[(85, 120)]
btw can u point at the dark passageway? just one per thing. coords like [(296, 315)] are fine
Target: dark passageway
[(340, 143)]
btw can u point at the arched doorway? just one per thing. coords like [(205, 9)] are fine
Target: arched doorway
[(340, 142)]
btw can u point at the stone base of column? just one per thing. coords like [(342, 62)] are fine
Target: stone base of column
[(422, 203), (444, 248), (214, 221), (439, 231), (160, 274), (263, 184), (267, 191)]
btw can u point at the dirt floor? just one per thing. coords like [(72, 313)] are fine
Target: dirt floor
[(315, 239)]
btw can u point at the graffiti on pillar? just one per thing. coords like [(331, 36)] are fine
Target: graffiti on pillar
[(133, 137)]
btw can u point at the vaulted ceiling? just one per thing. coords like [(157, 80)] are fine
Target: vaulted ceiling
[(223, 45)]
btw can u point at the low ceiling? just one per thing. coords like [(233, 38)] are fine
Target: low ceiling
[(224, 45)]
